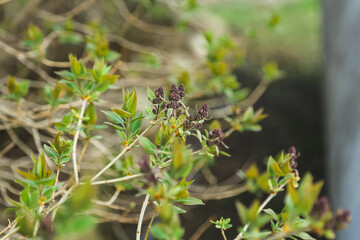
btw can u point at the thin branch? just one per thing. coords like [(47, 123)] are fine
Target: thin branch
[(223, 234), (111, 200), (117, 179), (151, 221), (21, 57), (142, 212), (132, 18), (76, 138), (6, 149), (37, 139), (125, 150), (10, 233), (83, 152), (18, 142), (256, 94), (27, 10), (197, 234)]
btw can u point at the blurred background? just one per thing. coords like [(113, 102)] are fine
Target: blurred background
[(313, 107)]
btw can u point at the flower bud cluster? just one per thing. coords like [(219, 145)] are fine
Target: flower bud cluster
[(294, 155), (193, 121), (216, 136), (340, 220), (175, 95)]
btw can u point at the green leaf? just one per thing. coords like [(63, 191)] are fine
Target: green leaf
[(148, 146), (271, 213), (305, 236), (151, 94), (277, 169), (121, 113), (190, 201), (110, 79), (113, 117), (51, 153), (66, 74), (159, 233), (178, 210)]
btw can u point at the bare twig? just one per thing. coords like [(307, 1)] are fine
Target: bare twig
[(132, 18), (76, 138), (125, 150), (28, 9), (142, 212), (117, 179), (197, 234), (18, 142), (223, 234), (23, 59)]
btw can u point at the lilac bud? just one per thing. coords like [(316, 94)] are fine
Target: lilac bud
[(320, 208)]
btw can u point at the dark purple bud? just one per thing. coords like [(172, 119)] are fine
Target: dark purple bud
[(186, 124), (342, 219), (159, 92), (294, 156), (154, 111), (198, 125), (204, 110), (172, 105), (151, 177), (216, 136), (144, 164), (198, 117), (191, 117), (156, 100), (173, 89), (181, 89), (178, 112), (320, 208)]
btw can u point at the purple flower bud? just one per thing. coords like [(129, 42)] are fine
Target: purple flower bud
[(173, 89), (154, 111), (198, 117), (204, 110), (160, 92), (320, 208), (186, 124), (294, 156), (216, 136), (191, 117), (156, 100), (198, 125), (178, 112), (181, 89), (144, 164), (342, 219)]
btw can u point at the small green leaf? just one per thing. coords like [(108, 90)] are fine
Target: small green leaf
[(190, 201), (148, 146), (305, 236), (271, 213), (151, 94), (121, 113), (111, 79), (113, 117)]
